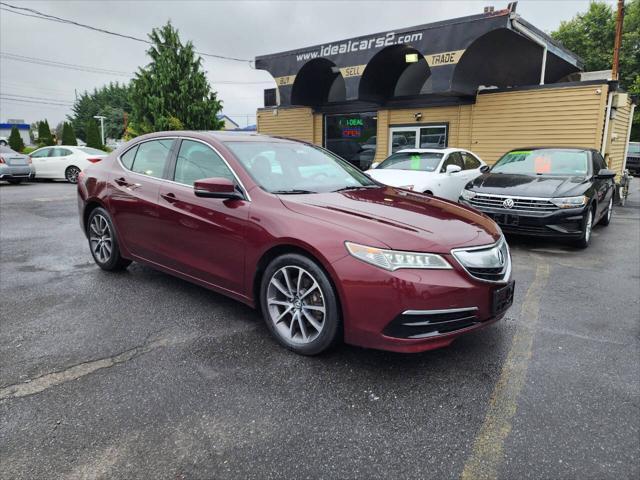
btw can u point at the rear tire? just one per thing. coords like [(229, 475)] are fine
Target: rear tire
[(15, 181), (71, 174), (299, 304), (103, 242), (587, 227)]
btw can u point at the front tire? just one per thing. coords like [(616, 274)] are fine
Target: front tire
[(604, 221), (587, 227), (15, 181), (103, 242), (71, 174), (299, 304)]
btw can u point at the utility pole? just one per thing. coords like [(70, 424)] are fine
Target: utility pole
[(618, 41), (101, 118)]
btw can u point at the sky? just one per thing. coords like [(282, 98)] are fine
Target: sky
[(237, 28)]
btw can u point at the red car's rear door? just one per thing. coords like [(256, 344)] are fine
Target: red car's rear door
[(134, 196), (204, 236)]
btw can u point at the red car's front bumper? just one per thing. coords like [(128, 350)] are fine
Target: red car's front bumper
[(411, 310)]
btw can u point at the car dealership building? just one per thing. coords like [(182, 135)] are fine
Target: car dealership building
[(487, 83)]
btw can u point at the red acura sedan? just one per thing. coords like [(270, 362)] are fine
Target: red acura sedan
[(322, 250)]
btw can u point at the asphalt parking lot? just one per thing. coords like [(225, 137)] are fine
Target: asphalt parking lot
[(141, 375)]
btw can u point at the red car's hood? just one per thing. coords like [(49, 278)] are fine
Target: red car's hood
[(400, 219)]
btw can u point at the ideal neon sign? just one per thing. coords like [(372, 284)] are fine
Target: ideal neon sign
[(351, 122)]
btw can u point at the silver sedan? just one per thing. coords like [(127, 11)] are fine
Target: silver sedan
[(15, 167)]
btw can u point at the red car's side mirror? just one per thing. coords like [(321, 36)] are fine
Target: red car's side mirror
[(215, 188)]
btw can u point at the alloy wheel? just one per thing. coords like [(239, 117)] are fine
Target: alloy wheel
[(296, 304), (100, 238), (72, 174), (587, 227)]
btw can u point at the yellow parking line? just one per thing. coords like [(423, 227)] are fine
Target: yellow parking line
[(488, 447)]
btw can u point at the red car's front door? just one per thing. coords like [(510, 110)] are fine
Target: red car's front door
[(204, 237)]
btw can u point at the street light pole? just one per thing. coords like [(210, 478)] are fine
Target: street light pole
[(101, 118)]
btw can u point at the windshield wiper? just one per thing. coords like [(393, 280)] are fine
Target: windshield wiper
[(355, 187), (291, 192)]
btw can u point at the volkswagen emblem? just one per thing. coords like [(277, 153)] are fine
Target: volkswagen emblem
[(508, 203)]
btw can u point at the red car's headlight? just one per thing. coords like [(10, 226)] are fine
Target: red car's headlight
[(395, 259)]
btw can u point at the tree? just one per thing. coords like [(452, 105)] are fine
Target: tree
[(44, 134), (111, 101), (591, 36), (68, 135), (93, 135), (15, 140), (172, 92)]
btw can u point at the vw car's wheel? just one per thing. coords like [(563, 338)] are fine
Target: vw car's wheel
[(607, 216), (299, 304), (103, 242), (71, 174), (587, 226)]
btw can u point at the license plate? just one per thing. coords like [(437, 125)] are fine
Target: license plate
[(503, 298), (16, 161), (506, 219)]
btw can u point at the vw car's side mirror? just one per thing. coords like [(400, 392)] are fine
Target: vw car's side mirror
[(453, 168), (485, 168), (215, 188)]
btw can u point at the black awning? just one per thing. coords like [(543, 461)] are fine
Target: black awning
[(449, 58)]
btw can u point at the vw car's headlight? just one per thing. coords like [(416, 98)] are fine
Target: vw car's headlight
[(467, 194), (570, 202), (394, 259)]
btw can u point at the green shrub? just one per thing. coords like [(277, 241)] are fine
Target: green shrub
[(15, 140)]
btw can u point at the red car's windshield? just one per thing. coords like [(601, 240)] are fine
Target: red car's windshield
[(281, 167)]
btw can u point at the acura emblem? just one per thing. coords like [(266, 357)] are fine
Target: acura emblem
[(508, 203), (501, 256)]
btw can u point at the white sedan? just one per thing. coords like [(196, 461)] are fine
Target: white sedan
[(64, 161), (442, 172)]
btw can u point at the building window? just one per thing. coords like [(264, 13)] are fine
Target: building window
[(427, 136), (352, 137)]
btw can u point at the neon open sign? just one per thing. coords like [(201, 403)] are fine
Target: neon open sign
[(351, 132)]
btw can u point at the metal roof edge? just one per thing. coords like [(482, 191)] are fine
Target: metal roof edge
[(543, 87), (553, 45), (425, 26)]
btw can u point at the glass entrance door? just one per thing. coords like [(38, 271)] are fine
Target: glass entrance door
[(431, 136)]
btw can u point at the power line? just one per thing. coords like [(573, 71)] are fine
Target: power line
[(44, 16), (70, 102), (39, 102), (108, 71), (67, 66), (22, 85)]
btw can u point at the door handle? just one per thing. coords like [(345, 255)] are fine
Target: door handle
[(123, 183), (169, 197)]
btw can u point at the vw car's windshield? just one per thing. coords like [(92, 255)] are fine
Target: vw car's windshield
[(282, 167), (548, 161), (427, 162)]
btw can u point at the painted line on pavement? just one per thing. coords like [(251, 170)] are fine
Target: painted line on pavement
[(487, 454)]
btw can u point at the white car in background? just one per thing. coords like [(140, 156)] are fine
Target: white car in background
[(442, 172), (64, 161)]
